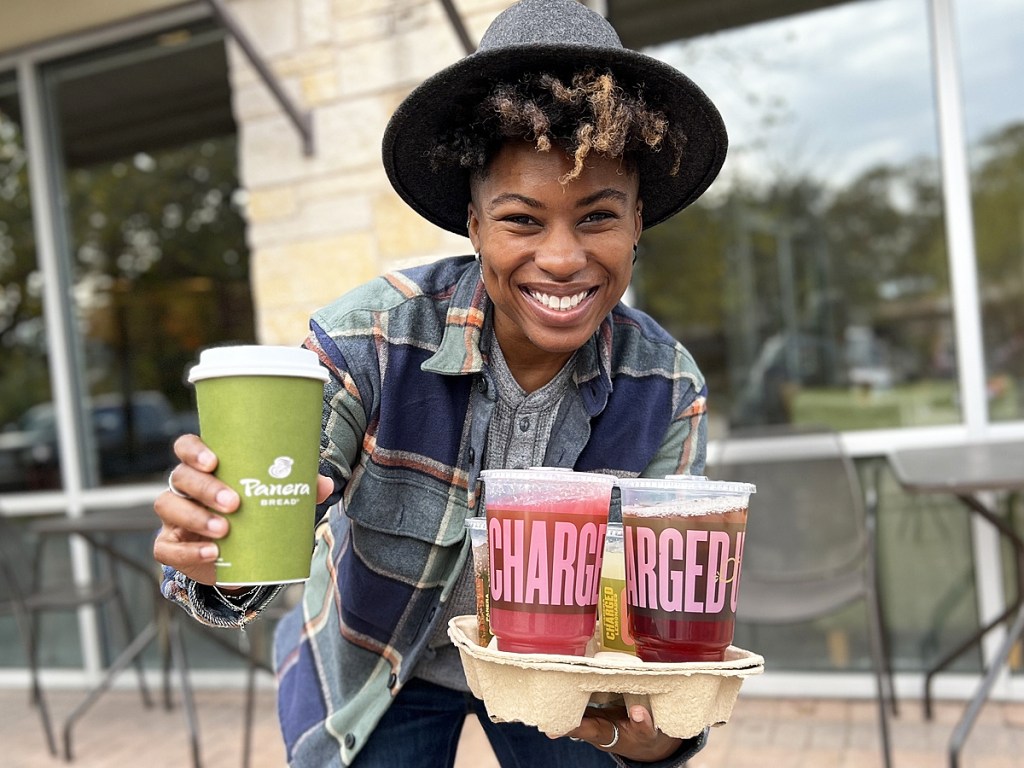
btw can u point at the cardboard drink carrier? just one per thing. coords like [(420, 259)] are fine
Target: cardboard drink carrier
[(552, 692)]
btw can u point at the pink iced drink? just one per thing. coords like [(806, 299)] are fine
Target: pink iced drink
[(545, 553)]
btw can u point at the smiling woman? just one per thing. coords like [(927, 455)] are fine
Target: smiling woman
[(545, 150)]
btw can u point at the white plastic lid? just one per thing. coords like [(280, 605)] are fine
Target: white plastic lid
[(559, 475), (689, 484), (257, 360)]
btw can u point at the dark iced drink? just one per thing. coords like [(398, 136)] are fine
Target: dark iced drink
[(683, 542)]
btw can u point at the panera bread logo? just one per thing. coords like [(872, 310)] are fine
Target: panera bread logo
[(276, 494)]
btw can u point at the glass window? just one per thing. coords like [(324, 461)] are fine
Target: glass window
[(991, 36), (27, 434), (159, 264), (811, 282)]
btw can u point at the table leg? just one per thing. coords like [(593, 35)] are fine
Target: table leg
[(188, 700), (946, 660), (963, 728), (127, 656)]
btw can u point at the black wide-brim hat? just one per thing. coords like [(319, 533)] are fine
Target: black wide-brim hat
[(561, 37)]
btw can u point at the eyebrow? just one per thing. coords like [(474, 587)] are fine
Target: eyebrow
[(513, 197), (608, 193)]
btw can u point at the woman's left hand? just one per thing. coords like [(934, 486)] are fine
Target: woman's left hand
[(637, 738)]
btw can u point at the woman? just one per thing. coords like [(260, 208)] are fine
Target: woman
[(551, 148)]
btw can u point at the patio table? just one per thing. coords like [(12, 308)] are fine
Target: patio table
[(967, 471), (98, 529)]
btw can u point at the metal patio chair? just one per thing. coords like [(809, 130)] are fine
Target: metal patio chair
[(29, 596), (810, 548)]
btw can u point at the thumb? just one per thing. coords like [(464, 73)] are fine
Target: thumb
[(639, 715), (324, 488)]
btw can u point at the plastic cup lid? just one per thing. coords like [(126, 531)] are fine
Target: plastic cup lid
[(256, 360), (559, 475), (690, 484)]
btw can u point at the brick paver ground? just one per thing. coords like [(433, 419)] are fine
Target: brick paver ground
[(763, 733)]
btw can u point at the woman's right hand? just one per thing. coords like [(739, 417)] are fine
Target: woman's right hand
[(191, 526)]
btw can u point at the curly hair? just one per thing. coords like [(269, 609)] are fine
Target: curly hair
[(591, 113)]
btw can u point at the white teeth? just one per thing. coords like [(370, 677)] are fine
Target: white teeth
[(559, 303)]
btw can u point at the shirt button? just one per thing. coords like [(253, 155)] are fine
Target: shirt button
[(524, 425), (350, 740), (392, 679), (472, 455)]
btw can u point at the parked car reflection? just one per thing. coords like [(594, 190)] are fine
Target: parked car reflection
[(28, 456), (130, 443)]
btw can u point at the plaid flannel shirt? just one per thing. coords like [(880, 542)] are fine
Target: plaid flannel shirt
[(405, 420)]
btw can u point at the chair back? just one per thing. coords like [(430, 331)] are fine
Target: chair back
[(13, 565), (806, 521)]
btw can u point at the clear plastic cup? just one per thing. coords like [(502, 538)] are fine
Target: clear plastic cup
[(545, 531), (477, 527), (684, 542)]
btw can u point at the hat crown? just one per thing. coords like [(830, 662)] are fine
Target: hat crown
[(549, 22), (561, 37)]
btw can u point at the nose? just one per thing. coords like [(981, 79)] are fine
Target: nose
[(561, 254)]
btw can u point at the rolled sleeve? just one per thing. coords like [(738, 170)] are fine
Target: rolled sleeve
[(686, 751), (208, 605)]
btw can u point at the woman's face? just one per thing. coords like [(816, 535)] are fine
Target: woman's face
[(555, 259)]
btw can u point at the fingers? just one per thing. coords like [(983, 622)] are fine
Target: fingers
[(191, 450), (191, 525), (187, 538), (193, 557), (643, 723), (201, 487), (638, 737), (194, 476), (191, 516), (324, 488), (599, 731)]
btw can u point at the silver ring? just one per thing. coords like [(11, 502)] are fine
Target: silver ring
[(615, 738), (172, 489), (573, 738)]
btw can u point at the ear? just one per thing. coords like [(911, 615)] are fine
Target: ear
[(473, 226), (638, 221)]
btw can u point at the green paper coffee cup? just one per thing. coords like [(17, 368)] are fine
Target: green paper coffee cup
[(259, 411)]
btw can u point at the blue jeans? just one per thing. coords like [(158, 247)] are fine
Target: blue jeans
[(421, 730)]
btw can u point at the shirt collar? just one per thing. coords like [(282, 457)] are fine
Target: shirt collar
[(468, 314)]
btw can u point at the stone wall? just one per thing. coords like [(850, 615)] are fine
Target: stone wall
[(322, 224)]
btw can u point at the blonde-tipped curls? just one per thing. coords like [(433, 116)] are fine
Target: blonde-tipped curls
[(592, 113)]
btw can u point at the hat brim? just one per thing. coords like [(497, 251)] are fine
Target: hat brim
[(442, 196)]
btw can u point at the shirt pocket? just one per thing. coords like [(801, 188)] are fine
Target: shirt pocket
[(409, 506)]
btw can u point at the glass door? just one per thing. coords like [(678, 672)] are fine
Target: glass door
[(158, 261)]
